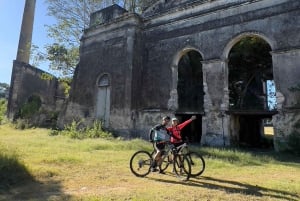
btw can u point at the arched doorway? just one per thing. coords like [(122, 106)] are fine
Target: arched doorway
[(103, 100), (190, 94), (252, 100)]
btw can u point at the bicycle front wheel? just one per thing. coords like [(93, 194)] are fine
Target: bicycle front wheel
[(182, 167), (197, 164), (140, 163)]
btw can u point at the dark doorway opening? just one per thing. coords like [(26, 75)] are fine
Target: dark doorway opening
[(190, 94), (252, 93), (252, 131)]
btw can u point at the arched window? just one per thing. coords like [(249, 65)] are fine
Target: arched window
[(103, 81)]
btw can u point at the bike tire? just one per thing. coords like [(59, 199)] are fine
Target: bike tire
[(165, 163), (182, 167), (140, 163), (197, 164)]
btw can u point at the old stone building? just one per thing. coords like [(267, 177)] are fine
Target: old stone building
[(183, 58)]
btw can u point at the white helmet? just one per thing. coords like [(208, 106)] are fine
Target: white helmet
[(174, 119)]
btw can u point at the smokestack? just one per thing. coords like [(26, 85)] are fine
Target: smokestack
[(23, 53)]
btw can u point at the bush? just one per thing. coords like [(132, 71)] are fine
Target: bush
[(96, 131), (75, 130), (22, 124), (3, 107), (30, 108)]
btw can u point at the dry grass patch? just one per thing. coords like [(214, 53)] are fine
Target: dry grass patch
[(98, 169)]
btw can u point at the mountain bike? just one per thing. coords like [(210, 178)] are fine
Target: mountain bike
[(141, 162), (197, 162)]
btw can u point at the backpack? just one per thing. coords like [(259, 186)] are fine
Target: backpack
[(161, 135), (158, 133), (151, 135)]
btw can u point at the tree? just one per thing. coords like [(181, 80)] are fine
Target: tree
[(4, 90), (72, 18)]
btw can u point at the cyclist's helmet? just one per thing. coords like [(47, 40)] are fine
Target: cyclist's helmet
[(166, 118), (174, 119)]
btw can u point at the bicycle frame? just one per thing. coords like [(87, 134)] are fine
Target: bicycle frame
[(141, 162), (196, 160)]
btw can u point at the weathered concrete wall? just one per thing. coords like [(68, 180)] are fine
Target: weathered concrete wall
[(141, 56), (212, 29), (112, 49), (27, 81), (286, 71)]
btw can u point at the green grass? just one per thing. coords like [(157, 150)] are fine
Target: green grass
[(60, 168)]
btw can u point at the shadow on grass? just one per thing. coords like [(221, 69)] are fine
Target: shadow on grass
[(248, 156), (235, 187), (243, 188), (16, 183)]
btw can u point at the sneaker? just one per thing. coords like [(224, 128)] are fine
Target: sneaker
[(153, 169)]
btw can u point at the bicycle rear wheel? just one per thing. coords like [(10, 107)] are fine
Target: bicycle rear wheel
[(197, 164), (140, 163), (182, 167)]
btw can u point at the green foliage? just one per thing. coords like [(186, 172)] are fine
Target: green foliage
[(22, 124), (75, 130), (4, 90), (30, 108), (62, 59), (3, 107), (27, 112), (46, 76), (66, 82), (72, 17), (96, 131)]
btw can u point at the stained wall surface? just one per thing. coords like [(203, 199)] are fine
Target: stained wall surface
[(140, 55)]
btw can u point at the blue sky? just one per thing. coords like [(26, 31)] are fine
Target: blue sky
[(11, 13)]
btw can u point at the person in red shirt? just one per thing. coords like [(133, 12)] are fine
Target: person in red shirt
[(176, 128)]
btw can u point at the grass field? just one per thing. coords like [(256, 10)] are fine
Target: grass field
[(42, 167)]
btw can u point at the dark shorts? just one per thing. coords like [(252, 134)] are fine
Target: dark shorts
[(159, 146)]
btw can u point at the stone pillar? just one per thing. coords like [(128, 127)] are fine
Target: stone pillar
[(286, 76), (215, 131), (23, 53)]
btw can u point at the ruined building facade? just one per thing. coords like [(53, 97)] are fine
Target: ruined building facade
[(177, 59)]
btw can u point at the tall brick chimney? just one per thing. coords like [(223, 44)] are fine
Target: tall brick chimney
[(23, 53)]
